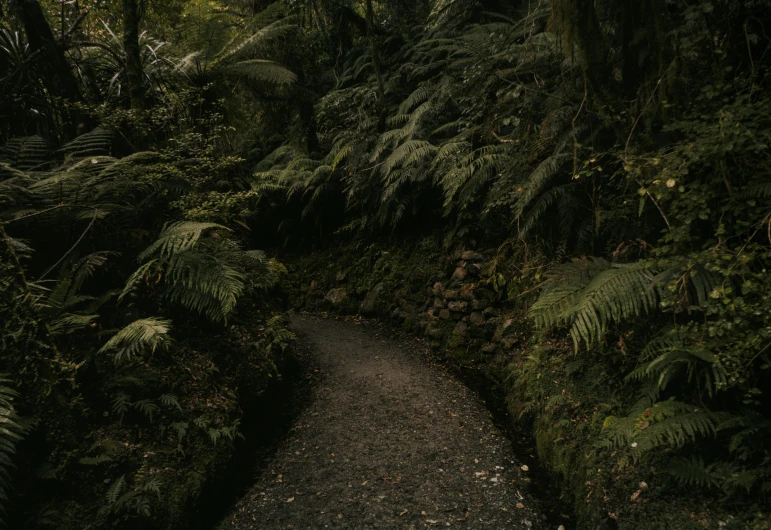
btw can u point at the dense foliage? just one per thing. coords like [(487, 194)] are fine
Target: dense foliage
[(616, 153)]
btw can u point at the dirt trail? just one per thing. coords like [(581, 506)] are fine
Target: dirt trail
[(387, 442)]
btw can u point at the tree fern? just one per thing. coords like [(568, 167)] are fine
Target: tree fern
[(25, 153), (91, 144)]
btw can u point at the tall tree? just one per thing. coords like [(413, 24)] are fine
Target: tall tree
[(381, 110), (131, 17)]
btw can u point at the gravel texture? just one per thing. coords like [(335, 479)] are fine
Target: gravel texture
[(386, 442)]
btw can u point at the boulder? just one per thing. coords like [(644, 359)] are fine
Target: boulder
[(341, 276), (479, 305), (336, 296), (369, 305), (459, 307), (459, 275), (438, 289), (435, 333), (488, 348), (438, 303), (477, 319), (460, 328), (466, 292), (451, 295), (444, 314)]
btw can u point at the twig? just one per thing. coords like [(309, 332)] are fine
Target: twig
[(74, 26), (38, 213), (93, 220), (648, 193), (503, 140)]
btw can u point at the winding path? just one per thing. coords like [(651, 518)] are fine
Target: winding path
[(387, 442)]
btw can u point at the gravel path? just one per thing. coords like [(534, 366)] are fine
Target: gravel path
[(387, 442)]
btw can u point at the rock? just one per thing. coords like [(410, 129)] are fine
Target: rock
[(444, 314), (451, 295), (466, 292), (314, 285), (489, 312), (475, 269), (459, 274), (460, 328), (476, 319), (438, 289), (435, 333), (471, 255), (370, 302), (479, 305), (507, 324), (336, 296), (488, 348), (341, 276), (459, 307), (507, 343), (484, 294), (438, 303)]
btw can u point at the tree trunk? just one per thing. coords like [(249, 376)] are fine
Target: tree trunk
[(61, 81), (378, 71), (134, 74), (575, 22)]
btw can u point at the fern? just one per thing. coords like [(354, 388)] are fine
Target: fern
[(26, 153), (12, 432), (138, 338), (177, 238), (91, 144), (263, 70), (588, 295), (666, 424)]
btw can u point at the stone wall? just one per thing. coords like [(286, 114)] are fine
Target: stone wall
[(459, 310)]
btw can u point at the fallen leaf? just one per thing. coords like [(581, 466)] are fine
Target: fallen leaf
[(525, 468), (520, 506), (403, 512), (290, 499)]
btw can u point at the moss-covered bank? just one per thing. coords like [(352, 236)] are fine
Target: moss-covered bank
[(472, 306)]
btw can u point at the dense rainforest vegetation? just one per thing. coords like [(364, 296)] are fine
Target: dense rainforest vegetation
[(614, 156)]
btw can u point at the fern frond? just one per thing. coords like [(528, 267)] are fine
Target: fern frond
[(264, 71), (138, 338), (91, 144), (177, 238), (589, 294), (25, 153)]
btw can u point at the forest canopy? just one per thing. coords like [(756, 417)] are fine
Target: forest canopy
[(615, 153)]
